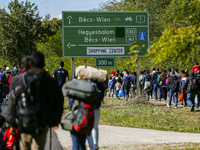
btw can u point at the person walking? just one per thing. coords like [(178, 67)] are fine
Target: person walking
[(162, 83), (133, 84), (198, 94), (111, 85), (40, 97), (126, 84), (173, 83), (182, 82), (156, 77), (117, 88), (191, 87), (61, 74), (147, 83)]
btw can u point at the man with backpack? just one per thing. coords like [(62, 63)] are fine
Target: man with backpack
[(156, 86), (173, 83), (35, 104), (111, 85), (61, 74), (192, 87), (126, 84), (198, 94), (133, 84)]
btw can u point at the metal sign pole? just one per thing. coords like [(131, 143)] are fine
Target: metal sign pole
[(72, 68), (138, 72)]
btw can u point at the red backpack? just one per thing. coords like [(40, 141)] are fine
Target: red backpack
[(84, 119)]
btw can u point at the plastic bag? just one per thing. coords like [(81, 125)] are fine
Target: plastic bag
[(181, 97), (121, 93)]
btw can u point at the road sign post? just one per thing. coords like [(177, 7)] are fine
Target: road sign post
[(95, 34), (104, 62)]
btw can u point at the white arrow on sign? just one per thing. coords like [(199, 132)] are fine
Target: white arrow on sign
[(68, 45), (69, 17)]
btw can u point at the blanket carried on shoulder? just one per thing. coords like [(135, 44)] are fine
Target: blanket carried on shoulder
[(97, 75)]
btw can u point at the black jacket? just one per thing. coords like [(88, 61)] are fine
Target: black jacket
[(187, 88), (53, 99), (171, 81)]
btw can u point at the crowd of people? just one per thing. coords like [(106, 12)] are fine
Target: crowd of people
[(35, 99), (159, 85), (35, 104)]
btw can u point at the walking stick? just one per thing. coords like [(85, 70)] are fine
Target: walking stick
[(50, 138)]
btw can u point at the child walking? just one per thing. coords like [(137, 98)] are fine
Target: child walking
[(117, 88)]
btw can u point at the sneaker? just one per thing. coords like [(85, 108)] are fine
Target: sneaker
[(126, 99), (168, 105), (175, 107), (192, 108), (97, 148)]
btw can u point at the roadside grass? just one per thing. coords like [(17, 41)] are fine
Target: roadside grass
[(149, 115), (174, 146)]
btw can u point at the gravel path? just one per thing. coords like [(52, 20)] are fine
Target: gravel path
[(112, 136)]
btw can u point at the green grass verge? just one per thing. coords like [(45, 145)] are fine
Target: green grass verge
[(147, 115)]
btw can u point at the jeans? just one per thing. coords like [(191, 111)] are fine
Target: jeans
[(78, 141), (111, 90), (164, 92), (116, 93), (155, 87), (190, 99), (126, 91), (175, 94), (132, 90), (198, 100), (95, 130), (90, 142)]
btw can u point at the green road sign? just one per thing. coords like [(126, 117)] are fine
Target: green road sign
[(104, 62), (87, 34)]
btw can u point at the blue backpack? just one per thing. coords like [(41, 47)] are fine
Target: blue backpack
[(112, 84)]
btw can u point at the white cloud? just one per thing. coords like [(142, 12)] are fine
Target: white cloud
[(59, 16)]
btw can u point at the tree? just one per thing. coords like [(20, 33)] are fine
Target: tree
[(20, 29), (179, 44), (156, 9)]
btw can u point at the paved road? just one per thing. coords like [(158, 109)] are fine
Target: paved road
[(55, 143), (111, 136)]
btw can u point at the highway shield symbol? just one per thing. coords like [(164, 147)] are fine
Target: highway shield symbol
[(140, 19)]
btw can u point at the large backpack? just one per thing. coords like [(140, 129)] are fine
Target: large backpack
[(31, 111), (175, 84), (81, 90), (84, 119), (158, 78), (79, 118), (193, 84), (127, 83)]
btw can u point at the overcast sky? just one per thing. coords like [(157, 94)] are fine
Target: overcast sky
[(55, 7)]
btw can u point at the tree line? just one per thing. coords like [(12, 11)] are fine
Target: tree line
[(174, 32)]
